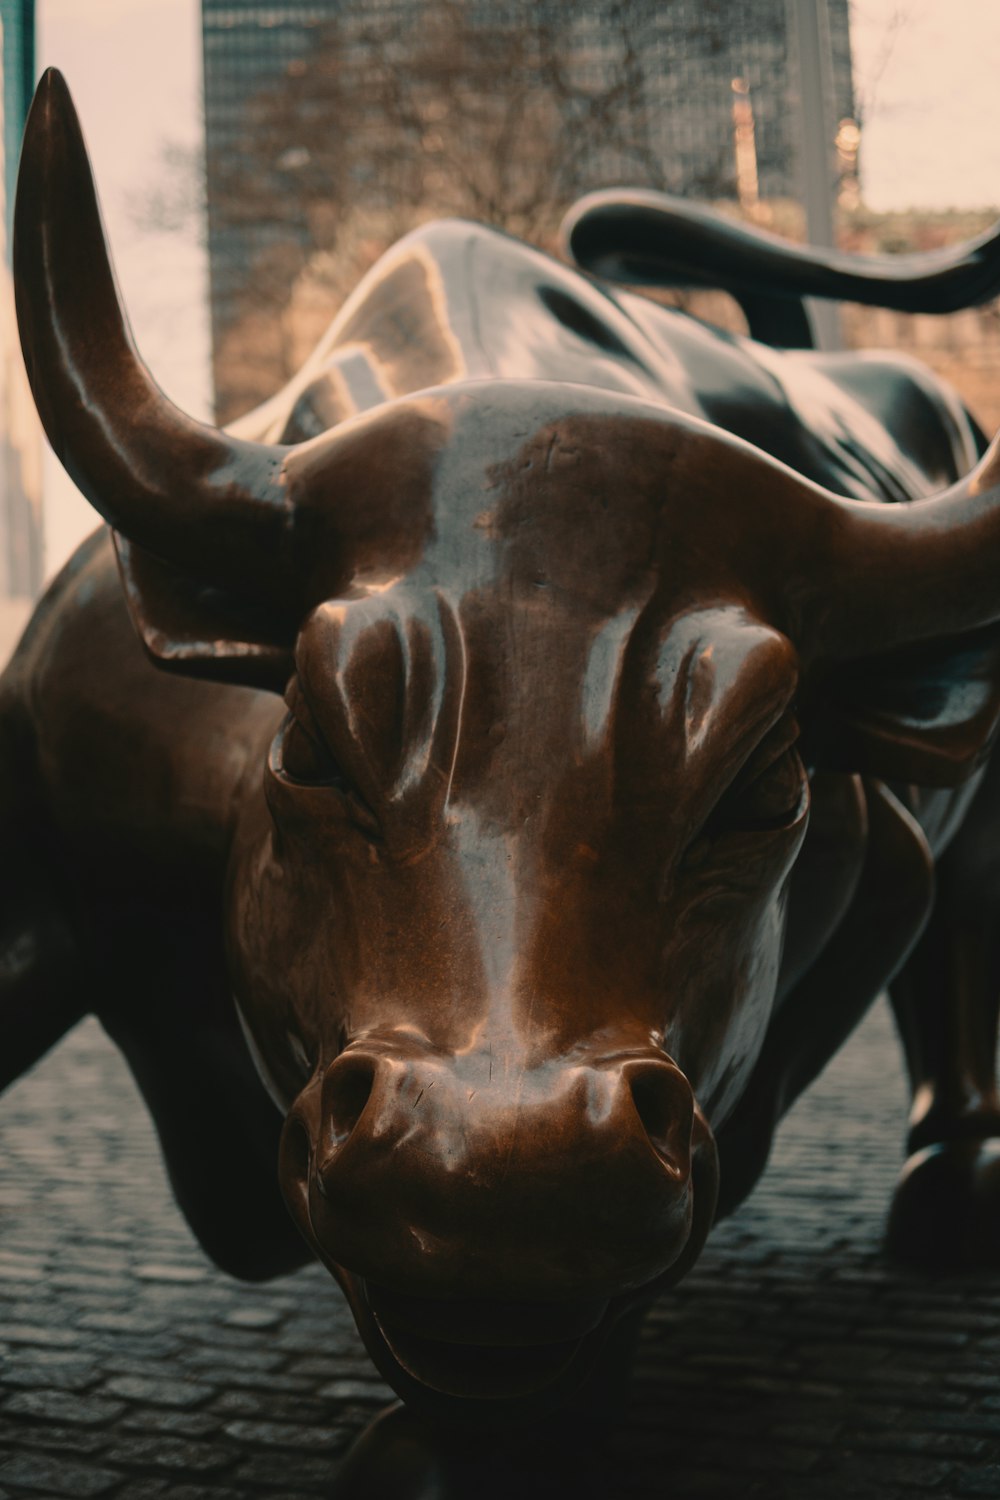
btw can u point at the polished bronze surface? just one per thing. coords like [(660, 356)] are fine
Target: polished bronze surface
[(576, 606)]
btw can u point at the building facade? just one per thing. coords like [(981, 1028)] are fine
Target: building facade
[(619, 91), (249, 49)]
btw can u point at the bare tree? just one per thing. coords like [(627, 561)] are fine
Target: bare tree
[(503, 114)]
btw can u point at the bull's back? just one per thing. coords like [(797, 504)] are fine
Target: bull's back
[(457, 301)]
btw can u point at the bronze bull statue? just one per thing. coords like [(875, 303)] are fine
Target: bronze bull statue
[(627, 751)]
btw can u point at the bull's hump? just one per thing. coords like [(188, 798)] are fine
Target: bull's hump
[(455, 301)]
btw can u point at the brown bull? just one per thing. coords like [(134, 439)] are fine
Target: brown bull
[(575, 604)]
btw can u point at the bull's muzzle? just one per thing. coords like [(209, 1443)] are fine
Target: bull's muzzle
[(472, 1176)]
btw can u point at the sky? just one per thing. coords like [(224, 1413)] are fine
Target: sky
[(134, 70), (926, 73)]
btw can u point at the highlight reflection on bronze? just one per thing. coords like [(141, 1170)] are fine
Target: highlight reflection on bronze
[(532, 934)]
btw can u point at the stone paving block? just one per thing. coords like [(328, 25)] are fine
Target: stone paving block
[(22, 1432), (925, 1339), (237, 1404), (159, 1392), (172, 1454), (984, 1481), (39, 1336), (138, 1323), (37, 1473), (815, 1435), (709, 1484), (272, 1474), (977, 1423), (255, 1317), (878, 1414), (284, 1435), (906, 1471), (179, 1274), (112, 1345), (193, 1424), (776, 1458), (356, 1390), (257, 1363), (200, 1492), (63, 1406), (974, 1380), (848, 1486), (936, 1444), (16, 1270), (71, 1376), (329, 1368)]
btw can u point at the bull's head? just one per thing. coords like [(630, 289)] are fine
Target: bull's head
[(506, 923)]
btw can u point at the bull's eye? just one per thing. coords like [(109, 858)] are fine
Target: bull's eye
[(769, 791), (770, 799)]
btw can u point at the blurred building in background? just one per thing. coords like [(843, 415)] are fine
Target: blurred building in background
[(250, 49), (333, 126), (20, 450), (18, 20)]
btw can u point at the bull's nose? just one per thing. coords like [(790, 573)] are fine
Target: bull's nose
[(446, 1176), (347, 1088), (660, 1096), (664, 1106)]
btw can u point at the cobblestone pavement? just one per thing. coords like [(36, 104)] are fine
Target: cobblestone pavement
[(793, 1362)]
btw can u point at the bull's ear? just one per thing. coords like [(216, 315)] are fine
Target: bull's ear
[(926, 713), (190, 627)]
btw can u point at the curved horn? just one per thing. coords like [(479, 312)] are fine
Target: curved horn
[(195, 497), (894, 574)]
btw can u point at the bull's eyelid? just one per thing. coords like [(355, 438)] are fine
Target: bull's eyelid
[(333, 782), (780, 741), (788, 805), (784, 735), (301, 722)]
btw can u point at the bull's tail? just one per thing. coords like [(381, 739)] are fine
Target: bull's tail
[(646, 238)]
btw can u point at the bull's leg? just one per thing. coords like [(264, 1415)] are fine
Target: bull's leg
[(946, 1209), (168, 1007), (43, 983)]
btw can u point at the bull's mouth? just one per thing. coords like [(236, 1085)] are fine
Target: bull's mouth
[(483, 1350), (488, 1362)]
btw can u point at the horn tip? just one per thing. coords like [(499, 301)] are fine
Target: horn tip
[(52, 101)]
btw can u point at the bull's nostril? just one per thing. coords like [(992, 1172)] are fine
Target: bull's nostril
[(349, 1086), (666, 1111)]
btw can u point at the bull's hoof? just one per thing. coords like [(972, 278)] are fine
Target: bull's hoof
[(945, 1213)]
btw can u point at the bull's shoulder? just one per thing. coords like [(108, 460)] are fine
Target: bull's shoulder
[(132, 765)]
